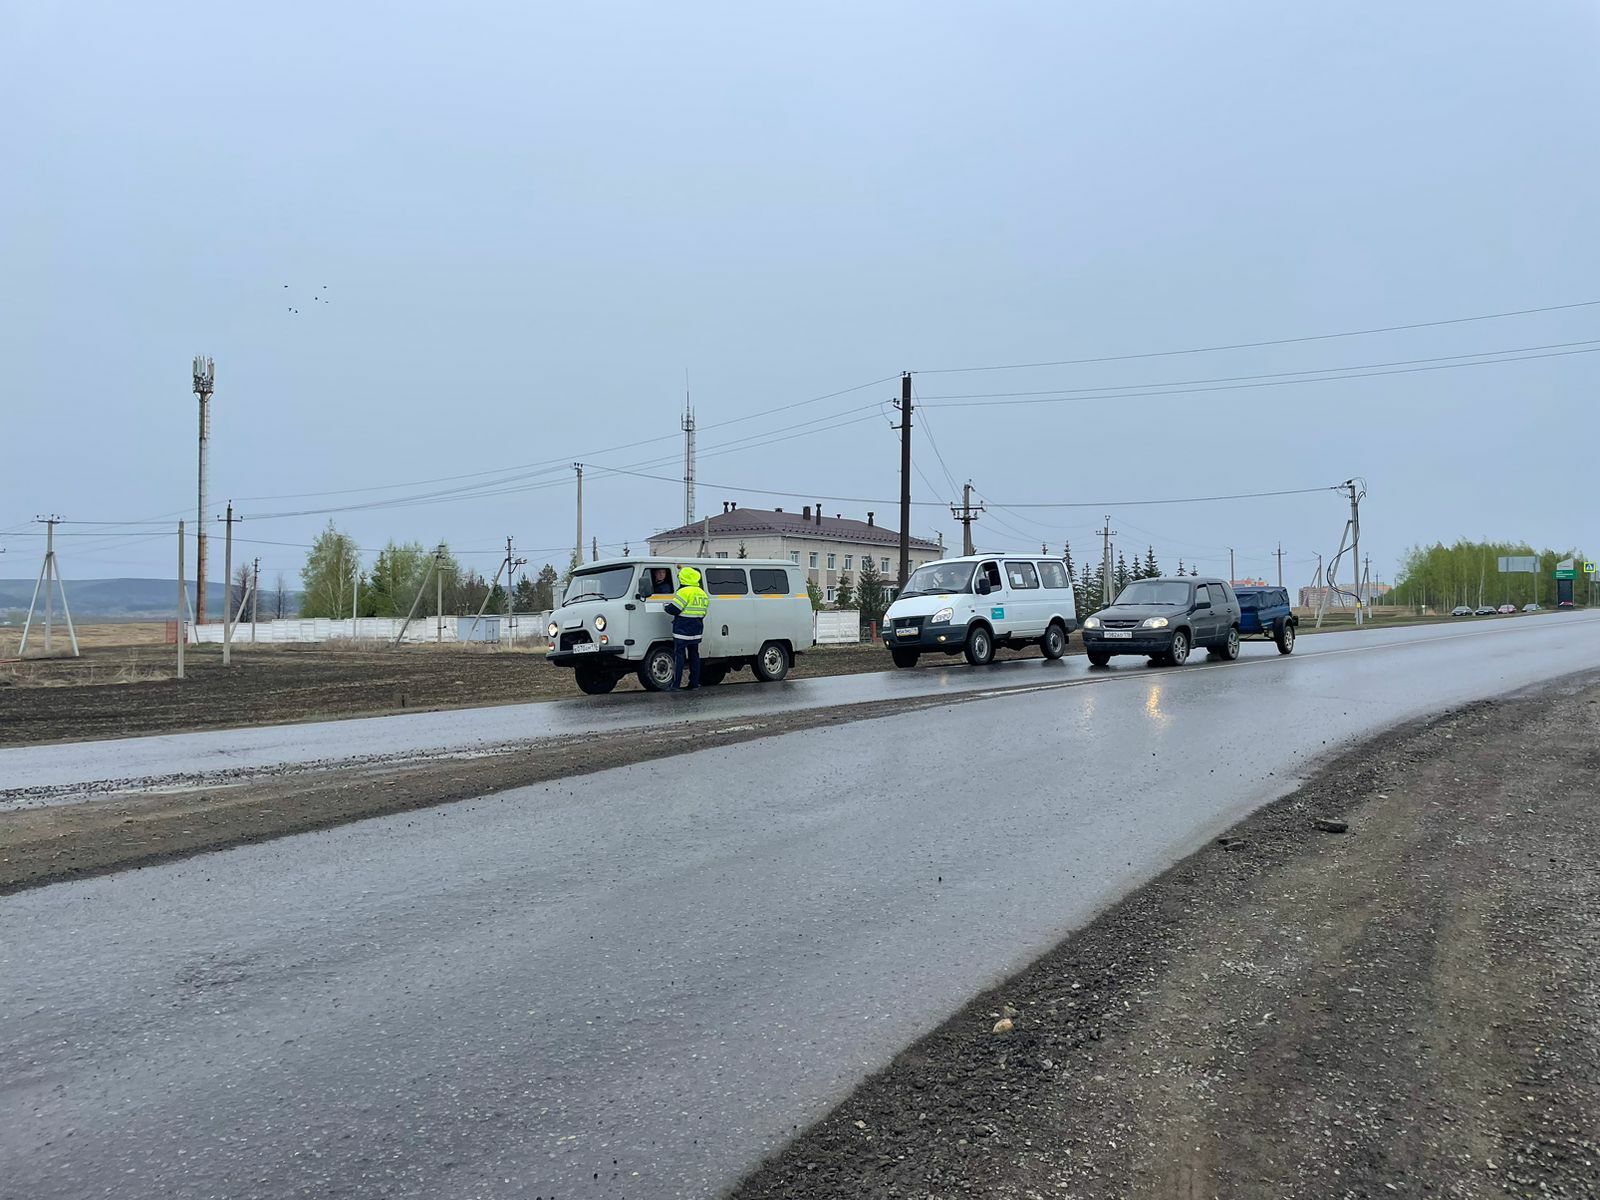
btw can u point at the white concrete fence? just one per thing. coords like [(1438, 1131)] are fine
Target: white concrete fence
[(519, 629)]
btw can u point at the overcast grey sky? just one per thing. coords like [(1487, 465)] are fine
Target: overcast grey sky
[(529, 219)]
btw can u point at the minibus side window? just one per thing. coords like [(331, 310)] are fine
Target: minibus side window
[(1053, 573)]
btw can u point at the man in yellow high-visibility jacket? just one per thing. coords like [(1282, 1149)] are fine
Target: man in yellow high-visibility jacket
[(688, 607)]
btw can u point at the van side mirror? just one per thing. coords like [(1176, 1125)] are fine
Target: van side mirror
[(983, 587)]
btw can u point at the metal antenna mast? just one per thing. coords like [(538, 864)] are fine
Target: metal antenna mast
[(205, 375), (688, 453)]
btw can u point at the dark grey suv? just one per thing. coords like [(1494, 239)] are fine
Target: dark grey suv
[(1164, 619)]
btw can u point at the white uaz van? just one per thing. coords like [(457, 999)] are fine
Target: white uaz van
[(612, 621), (981, 602)]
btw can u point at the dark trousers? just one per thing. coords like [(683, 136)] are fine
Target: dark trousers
[(681, 650)]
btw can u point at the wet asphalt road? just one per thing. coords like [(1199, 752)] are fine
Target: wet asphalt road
[(635, 983), (466, 730)]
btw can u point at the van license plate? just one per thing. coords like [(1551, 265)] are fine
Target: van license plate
[(1120, 633), (585, 648), (905, 633)]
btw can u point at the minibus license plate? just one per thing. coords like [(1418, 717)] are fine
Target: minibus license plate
[(585, 648), (1119, 633)]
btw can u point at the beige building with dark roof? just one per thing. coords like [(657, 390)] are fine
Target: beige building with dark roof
[(826, 547)]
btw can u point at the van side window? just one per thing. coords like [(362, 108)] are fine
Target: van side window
[(991, 572), (1022, 575), (769, 581), (726, 581), (1202, 594), (1053, 574)]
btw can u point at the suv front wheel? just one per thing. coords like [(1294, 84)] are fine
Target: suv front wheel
[(1178, 654)]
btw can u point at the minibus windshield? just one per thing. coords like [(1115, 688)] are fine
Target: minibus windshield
[(937, 578), (608, 584)]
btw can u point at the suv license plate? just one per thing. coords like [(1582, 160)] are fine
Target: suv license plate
[(585, 648), (1120, 633)]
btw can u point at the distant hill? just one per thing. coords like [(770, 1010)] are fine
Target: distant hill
[(123, 599)]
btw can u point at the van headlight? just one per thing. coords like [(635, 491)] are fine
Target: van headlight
[(1092, 623), (551, 630), (1155, 623), (944, 616), (599, 624)]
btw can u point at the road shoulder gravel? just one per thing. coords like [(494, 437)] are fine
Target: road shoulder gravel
[(1407, 1007)]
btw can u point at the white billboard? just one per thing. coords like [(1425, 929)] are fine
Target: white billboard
[(1519, 564)]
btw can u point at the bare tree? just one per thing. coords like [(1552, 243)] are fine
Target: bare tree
[(280, 598)]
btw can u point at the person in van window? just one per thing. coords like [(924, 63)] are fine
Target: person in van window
[(660, 582), (688, 608)]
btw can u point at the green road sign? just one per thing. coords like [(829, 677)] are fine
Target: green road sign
[(1566, 573)]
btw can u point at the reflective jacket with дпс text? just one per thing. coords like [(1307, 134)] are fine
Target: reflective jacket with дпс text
[(688, 607)]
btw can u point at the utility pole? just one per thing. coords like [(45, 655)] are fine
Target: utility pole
[(1365, 590), (967, 514), (688, 453), (182, 597), (255, 604), (577, 546), (204, 377), (227, 589), (438, 595), (1278, 554), (49, 579), (905, 477), (1233, 572), (1106, 534), (1355, 492), (594, 548)]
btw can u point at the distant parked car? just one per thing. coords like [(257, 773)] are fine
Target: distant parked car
[(1461, 610), (1532, 608), (1507, 609), (1483, 611)]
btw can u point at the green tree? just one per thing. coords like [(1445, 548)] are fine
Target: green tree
[(844, 595), (743, 553), (1119, 576), (524, 597), (871, 597), (815, 592), (544, 594), (1152, 569), (397, 576), (573, 564), (329, 575)]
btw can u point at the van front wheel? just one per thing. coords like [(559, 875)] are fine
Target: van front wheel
[(658, 672), (904, 657), (594, 680), (771, 663), (980, 646)]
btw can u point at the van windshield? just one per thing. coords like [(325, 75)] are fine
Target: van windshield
[(1155, 591), (608, 584), (937, 578)]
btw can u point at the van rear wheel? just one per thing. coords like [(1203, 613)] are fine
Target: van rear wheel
[(771, 663), (1054, 642)]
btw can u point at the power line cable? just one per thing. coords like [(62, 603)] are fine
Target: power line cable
[(1315, 337), (1236, 387)]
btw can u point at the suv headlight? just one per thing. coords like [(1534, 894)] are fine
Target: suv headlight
[(1155, 622), (600, 624), (943, 617), (1092, 623), (551, 630)]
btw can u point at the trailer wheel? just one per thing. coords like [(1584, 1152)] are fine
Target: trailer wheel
[(1285, 638)]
